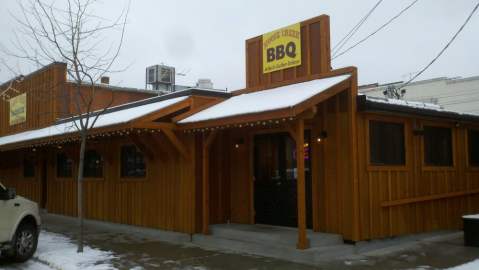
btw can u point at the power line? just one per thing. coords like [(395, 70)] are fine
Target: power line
[(354, 30), (376, 31), (443, 49)]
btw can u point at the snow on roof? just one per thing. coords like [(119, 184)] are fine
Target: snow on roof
[(414, 104), (108, 119), (267, 100)]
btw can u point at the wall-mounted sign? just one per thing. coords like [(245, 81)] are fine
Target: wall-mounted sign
[(18, 109), (282, 48)]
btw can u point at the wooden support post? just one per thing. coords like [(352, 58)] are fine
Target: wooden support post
[(315, 159), (205, 152), (303, 242)]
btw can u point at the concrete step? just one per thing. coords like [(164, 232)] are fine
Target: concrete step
[(275, 235), (270, 249)]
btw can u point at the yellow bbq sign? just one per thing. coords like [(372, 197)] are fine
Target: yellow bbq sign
[(282, 48), (18, 109)]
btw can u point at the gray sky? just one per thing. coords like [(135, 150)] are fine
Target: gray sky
[(207, 37)]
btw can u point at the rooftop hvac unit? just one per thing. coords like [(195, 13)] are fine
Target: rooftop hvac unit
[(161, 77), (205, 84)]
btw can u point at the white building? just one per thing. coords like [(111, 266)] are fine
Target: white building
[(454, 94)]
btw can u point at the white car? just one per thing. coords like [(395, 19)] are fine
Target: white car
[(19, 226)]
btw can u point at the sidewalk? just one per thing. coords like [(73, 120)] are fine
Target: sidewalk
[(133, 249)]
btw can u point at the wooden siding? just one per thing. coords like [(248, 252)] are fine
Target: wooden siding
[(103, 96), (396, 200), (334, 163), (315, 53), (50, 97), (42, 88), (164, 199)]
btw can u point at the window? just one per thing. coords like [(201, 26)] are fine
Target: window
[(132, 162), (386, 143), (28, 167), (64, 166), (473, 141), (93, 164), (437, 146)]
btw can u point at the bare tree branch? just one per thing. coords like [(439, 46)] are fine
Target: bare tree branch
[(70, 32)]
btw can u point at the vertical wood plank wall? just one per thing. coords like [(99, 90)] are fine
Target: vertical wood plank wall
[(165, 199), (50, 97), (381, 184), (315, 55), (334, 164), (42, 88)]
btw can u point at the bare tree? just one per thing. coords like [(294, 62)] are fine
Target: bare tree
[(70, 32)]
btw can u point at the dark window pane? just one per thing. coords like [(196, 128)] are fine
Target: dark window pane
[(132, 162), (28, 167), (64, 165), (473, 141), (93, 166), (437, 146), (386, 141)]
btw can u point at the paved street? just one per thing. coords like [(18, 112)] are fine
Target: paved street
[(134, 251)]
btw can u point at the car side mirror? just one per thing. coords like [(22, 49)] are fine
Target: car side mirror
[(8, 194)]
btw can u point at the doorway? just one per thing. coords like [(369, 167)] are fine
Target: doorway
[(275, 185)]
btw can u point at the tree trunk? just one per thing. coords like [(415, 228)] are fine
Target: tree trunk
[(80, 189)]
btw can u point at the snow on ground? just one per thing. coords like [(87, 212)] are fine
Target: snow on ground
[(58, 252), (474, 265)]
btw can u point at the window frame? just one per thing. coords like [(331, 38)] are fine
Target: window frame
[(407, 134), (120, 161), (56, 167), (34, 162), (95, 178), (426, 167), (472, 167)]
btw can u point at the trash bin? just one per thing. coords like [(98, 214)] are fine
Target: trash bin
[(471, 230)]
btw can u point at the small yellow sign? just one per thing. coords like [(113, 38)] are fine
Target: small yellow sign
[(18, 109), (282, 48)]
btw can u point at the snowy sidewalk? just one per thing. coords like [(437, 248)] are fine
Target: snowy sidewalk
[(109, 247), (58, 252)]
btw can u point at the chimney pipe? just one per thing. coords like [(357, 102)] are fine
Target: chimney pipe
[(105, 80)]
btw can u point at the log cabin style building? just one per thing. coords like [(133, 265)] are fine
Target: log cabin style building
[(297, 147)]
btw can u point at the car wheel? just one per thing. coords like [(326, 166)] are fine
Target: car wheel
[(24, 243)]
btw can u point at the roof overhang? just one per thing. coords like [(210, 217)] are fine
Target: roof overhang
[(115, 120), (369, 104), (259, 106)]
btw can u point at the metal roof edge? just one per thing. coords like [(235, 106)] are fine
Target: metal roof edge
[(366, 105)]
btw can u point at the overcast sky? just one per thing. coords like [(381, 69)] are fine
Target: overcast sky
[(206, 38)]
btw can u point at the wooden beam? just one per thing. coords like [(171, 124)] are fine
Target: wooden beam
[(240, 119), (194, 109), (161, 149), (154, 125), (143, 148), (303, 242), (177, 143), (165, 111), (429, 198)]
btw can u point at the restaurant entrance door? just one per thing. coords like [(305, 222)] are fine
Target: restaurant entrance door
[(275, 186)]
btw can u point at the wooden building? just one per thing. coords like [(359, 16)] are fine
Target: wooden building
[(367, 168)]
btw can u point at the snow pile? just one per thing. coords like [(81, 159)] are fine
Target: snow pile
[(474, 265), (58, 252)]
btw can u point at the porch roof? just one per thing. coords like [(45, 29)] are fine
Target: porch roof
[(276, 99), (111, 118)]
